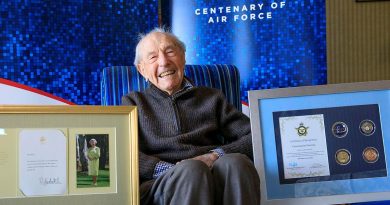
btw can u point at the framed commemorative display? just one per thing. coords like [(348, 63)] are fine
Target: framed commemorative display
[(68, 155), (324, 144)]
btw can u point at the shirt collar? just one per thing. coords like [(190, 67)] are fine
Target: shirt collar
[(186, 85)]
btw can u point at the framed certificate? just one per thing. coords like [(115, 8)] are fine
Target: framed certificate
[(322, 144), (68, 155)]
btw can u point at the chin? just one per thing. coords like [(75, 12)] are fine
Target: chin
[(168, 88)]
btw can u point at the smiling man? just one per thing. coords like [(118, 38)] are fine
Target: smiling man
[(195, 147), (163, 61)]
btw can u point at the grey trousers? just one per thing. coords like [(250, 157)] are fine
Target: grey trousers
[(232, 180)]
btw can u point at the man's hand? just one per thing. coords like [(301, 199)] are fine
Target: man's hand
[(208, 158)]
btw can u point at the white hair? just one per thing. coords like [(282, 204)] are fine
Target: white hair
[(91, 140), (162, 30)]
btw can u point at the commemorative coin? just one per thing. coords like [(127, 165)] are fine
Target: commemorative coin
[(339, 129), (370, 155), (343, 156), (367, 127)]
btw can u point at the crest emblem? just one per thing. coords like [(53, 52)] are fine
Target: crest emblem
[(42, 140), (302, 130)]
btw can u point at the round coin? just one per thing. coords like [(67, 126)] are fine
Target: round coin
[(370, 155), (343, 156), (367, 127), (339, 129)]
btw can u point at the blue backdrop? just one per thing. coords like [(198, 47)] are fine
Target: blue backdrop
[(278, 43), (61, 46)]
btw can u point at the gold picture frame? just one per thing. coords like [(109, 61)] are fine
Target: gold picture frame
[(118, 122)]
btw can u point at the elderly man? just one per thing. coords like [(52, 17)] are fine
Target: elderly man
[(194, 146)]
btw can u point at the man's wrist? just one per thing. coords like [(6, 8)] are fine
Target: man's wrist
[(218, 152)]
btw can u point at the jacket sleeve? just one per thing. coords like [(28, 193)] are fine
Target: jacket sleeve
[(235, 128), (147, 163)]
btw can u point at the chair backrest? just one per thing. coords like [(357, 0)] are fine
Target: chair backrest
[(117, 81)]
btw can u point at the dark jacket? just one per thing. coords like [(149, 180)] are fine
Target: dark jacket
[(187, 124)]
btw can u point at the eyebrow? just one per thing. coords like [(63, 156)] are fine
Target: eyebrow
[(169, 46)]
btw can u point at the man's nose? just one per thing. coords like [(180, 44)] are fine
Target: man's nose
[(162, 60)]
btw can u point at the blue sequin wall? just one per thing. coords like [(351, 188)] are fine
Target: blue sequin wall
[(278, 43), (61, 46)]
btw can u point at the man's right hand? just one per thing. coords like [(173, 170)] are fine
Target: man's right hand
[(208, 158)]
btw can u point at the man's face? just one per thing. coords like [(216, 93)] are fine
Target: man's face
[(162, 62)]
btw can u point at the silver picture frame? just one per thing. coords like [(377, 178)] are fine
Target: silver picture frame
[(262, 105)]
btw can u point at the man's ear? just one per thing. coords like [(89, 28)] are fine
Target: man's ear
[(140, 69)]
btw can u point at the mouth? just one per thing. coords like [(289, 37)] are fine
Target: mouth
[(167, 73)]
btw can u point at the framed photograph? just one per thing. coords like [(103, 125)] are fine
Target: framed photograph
[(68, 155), (322, 144), (93, 163)]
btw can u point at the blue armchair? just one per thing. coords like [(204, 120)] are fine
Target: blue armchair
[(117, 81)]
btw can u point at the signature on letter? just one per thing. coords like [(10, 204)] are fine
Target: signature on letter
[(49, 180)]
